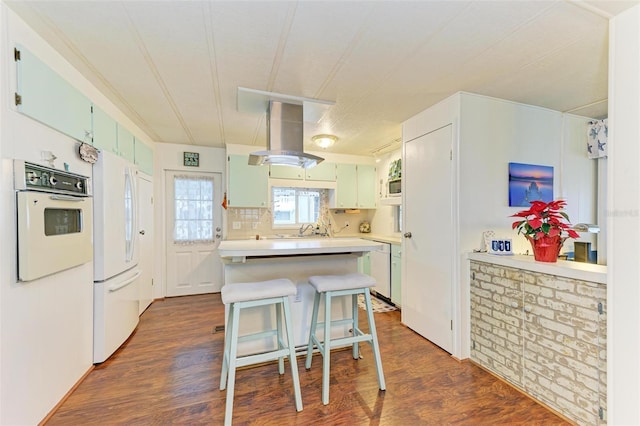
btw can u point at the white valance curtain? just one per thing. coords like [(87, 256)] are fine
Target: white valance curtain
[(193, 209), (597, 142)]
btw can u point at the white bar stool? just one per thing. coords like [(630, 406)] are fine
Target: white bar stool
[(246, 295), (342, 285)]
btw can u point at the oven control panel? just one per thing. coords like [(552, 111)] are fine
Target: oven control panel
[(34, 177)]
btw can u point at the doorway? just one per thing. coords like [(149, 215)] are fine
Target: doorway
[(193, 230)]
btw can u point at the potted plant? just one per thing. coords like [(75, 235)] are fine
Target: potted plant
[(546, 227)]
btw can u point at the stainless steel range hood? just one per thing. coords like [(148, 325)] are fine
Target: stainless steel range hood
[(284, 138)]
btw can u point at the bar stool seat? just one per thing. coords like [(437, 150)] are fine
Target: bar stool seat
[(342, 285), (245, 295)]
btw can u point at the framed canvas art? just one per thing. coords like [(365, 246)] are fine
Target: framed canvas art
[(529, 182)]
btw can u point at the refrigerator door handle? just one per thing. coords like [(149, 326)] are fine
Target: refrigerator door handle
[(125, 283)]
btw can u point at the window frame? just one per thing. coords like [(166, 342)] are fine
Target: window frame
[(297, 224)]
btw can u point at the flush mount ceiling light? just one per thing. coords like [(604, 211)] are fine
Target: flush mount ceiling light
[(324, 141)]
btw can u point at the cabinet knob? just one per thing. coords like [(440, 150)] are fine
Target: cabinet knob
[(514, 304), (407, 234), (528, 309)]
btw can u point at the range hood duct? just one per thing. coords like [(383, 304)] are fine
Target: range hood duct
[(284, 138)]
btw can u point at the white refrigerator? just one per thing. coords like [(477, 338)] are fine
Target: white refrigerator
[(116, 273)]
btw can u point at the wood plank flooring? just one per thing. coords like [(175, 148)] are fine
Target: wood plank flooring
[(169, 372)]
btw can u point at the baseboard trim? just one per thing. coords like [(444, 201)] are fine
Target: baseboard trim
[(64, 398)]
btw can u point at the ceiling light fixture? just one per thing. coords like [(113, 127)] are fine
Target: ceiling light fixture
[(324, 141)]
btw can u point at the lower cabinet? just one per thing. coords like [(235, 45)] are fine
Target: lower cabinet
[(396, 274), (544, 334)]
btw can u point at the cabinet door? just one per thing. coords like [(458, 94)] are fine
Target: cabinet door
[(143, 157), (497, 320), (322, 172), (366, 186), (364, 264), (396, 274), (126, 144), (105, 131), (286, 172), (50, 99), (248, 185), (347, 186)]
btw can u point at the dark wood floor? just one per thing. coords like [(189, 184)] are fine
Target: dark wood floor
[(169, 372)]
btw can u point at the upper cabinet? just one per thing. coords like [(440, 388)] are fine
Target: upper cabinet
[(143, 157), (105, 131), (126, 143), (324, 171), (45, 96), (356, 188), (286, 172), (248, 185)]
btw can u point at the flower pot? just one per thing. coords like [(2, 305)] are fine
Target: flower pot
[(546, 249)]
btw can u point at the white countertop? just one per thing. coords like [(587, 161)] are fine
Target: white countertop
[(391, 239), (295, 246), (561, 268)]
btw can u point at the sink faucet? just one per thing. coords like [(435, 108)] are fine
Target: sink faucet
[(304, 228)]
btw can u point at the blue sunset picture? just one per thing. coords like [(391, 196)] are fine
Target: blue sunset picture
[(528, 182)]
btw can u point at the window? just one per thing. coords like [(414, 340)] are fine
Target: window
[(295, 206), (193, 209)]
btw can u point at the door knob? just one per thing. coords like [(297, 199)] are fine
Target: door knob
[(141, 232), (407, 234)]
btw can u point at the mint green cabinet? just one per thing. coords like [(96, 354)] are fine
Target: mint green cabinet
[(105, 131), (396, 274), (356, 186), (248, 185), (143, 157), (364, 263), (366, 186), (322, 172), (347, 186), (126, 143), (286, 172), (48, 98)]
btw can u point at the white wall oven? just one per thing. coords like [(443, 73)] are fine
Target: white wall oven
[(55, 216)]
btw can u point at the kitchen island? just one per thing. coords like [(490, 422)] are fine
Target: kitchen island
[(295, 259)]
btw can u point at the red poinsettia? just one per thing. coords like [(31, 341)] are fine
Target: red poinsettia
[(544, 219)]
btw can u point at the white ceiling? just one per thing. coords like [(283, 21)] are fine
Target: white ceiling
[(174, 67)]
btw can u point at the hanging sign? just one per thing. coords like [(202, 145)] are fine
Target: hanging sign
[(191, 159)]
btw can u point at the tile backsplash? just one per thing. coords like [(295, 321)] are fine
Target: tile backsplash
[(244, 223)]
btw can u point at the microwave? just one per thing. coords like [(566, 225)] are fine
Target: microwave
[(394, 187)]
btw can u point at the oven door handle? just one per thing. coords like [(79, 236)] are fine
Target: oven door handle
[(125, 283), (67, 198)]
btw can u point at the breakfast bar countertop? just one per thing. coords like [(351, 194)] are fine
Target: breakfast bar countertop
[(238, 250)]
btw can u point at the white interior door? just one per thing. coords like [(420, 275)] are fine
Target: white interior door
[(145, 240), (194, 222), (428, 243)]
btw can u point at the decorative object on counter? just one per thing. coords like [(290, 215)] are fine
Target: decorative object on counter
[(501, 247), (365, 227), (529, 182), (546, 227), (597, 134), (487, 236)]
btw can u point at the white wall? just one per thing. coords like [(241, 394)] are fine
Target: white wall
[(623, 221), (494, 133), (489, 133), (46, 333)]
